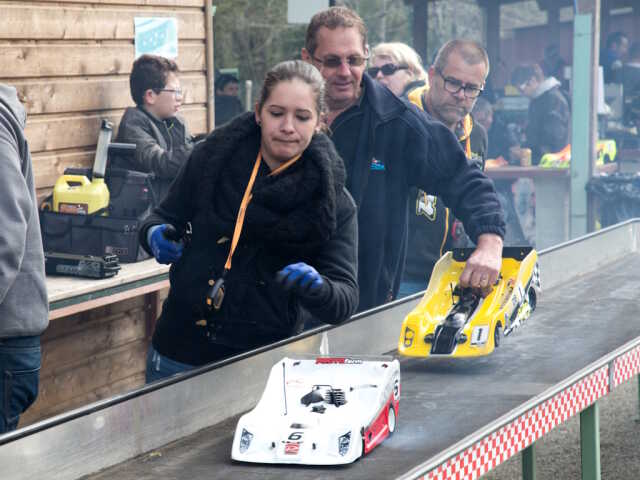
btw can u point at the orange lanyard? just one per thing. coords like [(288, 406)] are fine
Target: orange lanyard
[(467, 126), (246, 198)]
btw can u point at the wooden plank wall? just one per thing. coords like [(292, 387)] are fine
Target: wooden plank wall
[(70, 61)]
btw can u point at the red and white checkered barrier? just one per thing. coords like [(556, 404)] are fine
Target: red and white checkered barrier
[(524, 430), (510, 439), (626, 366)]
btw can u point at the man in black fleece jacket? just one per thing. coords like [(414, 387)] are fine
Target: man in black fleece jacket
[(389, 146)]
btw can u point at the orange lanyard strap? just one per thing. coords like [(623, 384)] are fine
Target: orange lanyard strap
[(246, 198), (467, 126)]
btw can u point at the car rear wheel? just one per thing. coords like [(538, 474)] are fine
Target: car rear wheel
[(391, 420), (497, 334)]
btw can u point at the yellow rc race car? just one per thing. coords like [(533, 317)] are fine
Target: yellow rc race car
[(457, 322)]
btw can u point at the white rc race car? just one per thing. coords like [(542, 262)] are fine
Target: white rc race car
[(320, 411)]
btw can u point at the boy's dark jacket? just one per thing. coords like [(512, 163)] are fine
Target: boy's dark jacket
[(301, 215), (389, 146), (162, 146)]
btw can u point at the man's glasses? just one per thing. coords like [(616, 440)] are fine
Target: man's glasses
[(177, 92), (333, 61), (453, 85), (387, 69)]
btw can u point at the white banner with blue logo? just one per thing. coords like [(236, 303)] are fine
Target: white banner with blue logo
[(156, 35)]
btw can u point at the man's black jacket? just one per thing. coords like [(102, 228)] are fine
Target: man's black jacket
[(388, 146)]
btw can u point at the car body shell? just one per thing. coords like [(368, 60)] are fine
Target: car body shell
[(508, 306), (290, 425)]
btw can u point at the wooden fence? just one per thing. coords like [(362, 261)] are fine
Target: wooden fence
[(70, 61)]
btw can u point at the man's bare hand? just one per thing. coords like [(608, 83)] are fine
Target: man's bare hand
[(483, 267)]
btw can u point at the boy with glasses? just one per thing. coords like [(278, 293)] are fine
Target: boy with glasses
[(389, 146), (162, 140)]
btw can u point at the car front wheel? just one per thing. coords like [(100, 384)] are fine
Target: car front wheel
[(391, 420)]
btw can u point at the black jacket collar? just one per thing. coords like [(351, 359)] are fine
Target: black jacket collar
[(381, 100)]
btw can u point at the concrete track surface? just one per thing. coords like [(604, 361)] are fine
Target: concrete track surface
[(445, 400)]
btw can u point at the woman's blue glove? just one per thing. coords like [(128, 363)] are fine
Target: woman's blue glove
[(161, 239), (301, 279)]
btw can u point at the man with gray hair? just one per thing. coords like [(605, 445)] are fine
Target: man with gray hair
[(389, 146), (23, 295), (456, 80)]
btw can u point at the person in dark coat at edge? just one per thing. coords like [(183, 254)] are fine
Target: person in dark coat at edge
[(268, 231), (24, 312), (549, 117), (227, 103), (389, 146), (614, 55), (163, 142)]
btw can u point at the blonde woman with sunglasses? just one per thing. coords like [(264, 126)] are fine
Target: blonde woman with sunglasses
[(398, 66)]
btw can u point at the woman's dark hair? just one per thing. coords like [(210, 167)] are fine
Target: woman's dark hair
[(288, 71), (149, 72)]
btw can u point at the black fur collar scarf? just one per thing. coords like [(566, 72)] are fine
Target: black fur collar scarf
[(295, 210)]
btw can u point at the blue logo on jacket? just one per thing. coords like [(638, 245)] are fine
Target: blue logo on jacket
[(377, 164)]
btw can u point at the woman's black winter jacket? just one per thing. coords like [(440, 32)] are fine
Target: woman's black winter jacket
[(303, 214)]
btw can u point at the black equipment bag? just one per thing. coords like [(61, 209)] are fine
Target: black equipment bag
[(92, 234), (131, 192), (131, 200)]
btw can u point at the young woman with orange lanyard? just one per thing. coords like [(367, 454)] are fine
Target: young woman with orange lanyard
[(268, 233)]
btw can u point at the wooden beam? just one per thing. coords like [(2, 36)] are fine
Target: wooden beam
[(208, 13), (76, 130), (420, 24), (81, 94), (70, 22), (67, 59), (493, 35), (99, 302), (584, 128), (151, 3)]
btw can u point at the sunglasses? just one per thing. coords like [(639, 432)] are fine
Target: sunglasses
[(387, 69), (333, 61)]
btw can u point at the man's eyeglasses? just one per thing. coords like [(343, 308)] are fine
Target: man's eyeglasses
[(387, 69), (333, 61), (177, 92), (453, 85)]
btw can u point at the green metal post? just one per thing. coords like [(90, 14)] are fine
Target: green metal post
[(529, 462), (580, 123), (590, 443)]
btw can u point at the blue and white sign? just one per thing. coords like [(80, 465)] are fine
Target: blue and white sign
[(156, 35)]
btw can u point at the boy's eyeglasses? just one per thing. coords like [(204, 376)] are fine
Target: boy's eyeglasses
[(177, 92), (387, 69), (333, 61)]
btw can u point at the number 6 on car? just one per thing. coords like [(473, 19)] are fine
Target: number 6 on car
[(321, 411)]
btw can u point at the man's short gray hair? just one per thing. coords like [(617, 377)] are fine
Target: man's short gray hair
[(471, 52)]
